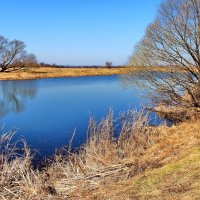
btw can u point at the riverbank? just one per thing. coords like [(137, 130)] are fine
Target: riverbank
[(53, 72), (143, 163), (56, 72)]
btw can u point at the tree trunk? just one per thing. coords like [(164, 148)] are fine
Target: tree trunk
[(3, 69), (199, 32)]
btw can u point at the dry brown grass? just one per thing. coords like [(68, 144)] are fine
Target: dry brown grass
[(51, 72), (105, 161), (168, 168), (136, 165), (17, 179), (178, 114)]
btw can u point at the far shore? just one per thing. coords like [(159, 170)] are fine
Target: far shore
[(55, 72)]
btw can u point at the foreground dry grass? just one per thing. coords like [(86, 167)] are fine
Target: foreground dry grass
[(143, 163), (50, 72)]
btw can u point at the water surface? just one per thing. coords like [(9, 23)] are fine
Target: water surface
[(45, 112)]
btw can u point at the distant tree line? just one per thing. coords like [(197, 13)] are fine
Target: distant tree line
[(42, 64)]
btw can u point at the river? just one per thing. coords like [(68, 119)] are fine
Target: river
[(46, 112)]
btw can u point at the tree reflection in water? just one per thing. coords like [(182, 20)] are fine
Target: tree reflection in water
[(14, 94)]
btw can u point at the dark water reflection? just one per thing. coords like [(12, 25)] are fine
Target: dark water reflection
[(47, 111), (14, 94)]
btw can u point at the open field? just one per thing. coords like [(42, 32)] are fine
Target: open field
[(51, 72), (54, 72)]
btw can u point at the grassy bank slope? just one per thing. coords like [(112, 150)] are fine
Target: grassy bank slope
[(177, 180), (176, 175), (143, 163)]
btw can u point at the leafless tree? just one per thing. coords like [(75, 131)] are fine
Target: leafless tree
[(13, 55), (108, 64), (173, 41)]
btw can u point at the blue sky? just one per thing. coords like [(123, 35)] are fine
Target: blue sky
[(77, 32)]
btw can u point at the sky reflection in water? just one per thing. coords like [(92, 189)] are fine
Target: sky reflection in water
[(46, 112)]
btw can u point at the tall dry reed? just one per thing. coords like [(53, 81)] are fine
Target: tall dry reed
[(114, 149)]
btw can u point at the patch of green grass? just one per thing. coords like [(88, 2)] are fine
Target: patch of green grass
[(177, 180)]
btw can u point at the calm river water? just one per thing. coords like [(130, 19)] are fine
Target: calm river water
[(45, 112)]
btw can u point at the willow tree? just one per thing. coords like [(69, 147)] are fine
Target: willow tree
[(171, 41)]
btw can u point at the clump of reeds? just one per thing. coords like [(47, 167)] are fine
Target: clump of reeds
[(114, 150), (106, 145), (18, 180)]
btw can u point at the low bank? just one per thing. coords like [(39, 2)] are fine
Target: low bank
[(56, 72), (144, 162), (53, 72)]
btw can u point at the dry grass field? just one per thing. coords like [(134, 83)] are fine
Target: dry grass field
[(51, 72), (54, 72)]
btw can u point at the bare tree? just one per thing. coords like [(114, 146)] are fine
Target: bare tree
[(173, 41), (26, 61), (108, 64), (13, 55)]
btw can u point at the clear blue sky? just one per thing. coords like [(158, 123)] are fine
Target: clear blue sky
[(77, 32)]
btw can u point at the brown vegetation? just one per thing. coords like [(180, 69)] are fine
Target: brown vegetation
[(50, 72), (177, 114), (55, 72), (143, 162)]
